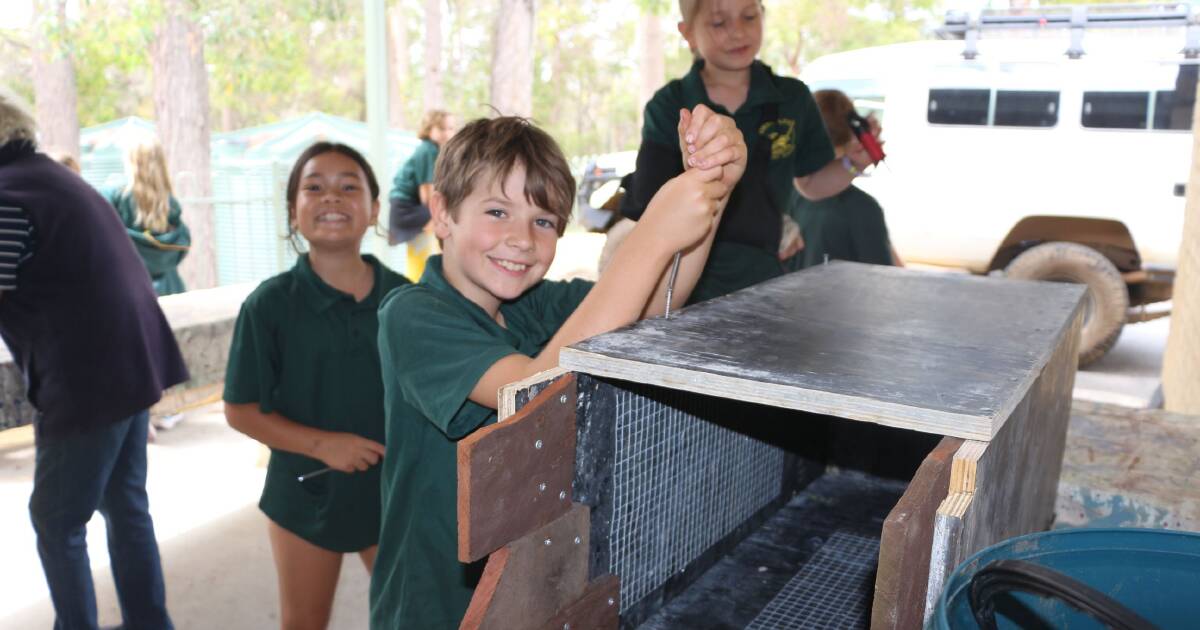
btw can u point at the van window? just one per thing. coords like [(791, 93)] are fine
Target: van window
[(1116, 110), (959, 107), (1173, 108), (1026, 109)]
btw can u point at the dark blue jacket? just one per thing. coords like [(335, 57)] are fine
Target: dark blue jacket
[(83, 324)]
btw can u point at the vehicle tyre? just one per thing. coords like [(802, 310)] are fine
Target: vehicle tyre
[(1107, 297)]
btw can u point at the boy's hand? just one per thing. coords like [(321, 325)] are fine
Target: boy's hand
[(686, 208), (708, 139), (347, 452)]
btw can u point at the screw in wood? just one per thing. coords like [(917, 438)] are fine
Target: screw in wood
[(610, 601), (562, 495), (537, 444), (541, 487), (578, 540), (547, 542), (563, 399)]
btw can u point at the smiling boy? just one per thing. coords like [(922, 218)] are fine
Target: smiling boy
[(482, 316)]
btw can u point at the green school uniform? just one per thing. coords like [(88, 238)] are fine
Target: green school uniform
[(435, 345), (785, 139), (417, 170), (161, 252), (847, 226), (307, 351)]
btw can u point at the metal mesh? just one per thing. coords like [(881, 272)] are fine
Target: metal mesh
[(680, 484), (830, 591)]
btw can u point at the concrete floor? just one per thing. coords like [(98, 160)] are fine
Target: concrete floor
[(204, 482)]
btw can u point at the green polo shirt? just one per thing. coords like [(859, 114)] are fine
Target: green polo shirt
[(798, 146), (417, 170), (847, 226), (435, 345), (162, 253), (307, 351)]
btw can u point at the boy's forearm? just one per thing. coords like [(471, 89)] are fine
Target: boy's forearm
[(273, 429)]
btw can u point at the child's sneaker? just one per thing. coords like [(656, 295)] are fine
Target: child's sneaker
[(166, 423)]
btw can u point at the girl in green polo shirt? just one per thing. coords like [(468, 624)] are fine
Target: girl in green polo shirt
[(787, 144), (304, 379), (152, 216), (850, 224)]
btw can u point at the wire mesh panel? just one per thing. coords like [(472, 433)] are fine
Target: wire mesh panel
[(680, 485), (831, 591)]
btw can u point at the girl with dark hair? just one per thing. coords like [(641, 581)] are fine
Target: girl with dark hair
[(304, 379)]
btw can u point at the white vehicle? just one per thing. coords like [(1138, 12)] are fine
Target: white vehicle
[(1046, 156)]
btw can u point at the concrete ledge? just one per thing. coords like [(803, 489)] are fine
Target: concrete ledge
[(203, 324)]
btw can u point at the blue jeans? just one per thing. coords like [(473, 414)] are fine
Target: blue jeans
[(75, 475)]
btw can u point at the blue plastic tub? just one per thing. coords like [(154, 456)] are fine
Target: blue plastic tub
[(1155, 573)]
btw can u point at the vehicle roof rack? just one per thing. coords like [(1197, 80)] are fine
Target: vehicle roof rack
[(1079, 18)]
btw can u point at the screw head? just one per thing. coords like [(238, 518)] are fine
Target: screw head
[(566, 626), (562, 399), (578, 540), (547, 542), (541, 487), (562, 495), (610, 601), (537, 444)]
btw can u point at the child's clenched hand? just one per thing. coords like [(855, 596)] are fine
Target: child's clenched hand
[(708, 140), (348, 452), (687, 207)]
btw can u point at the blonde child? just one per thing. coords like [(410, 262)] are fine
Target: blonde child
[(152, 216), (304, 379), (483, 316), (787, 145)]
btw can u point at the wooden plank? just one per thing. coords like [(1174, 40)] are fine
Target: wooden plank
[(1008, 486), (529, 580), (515, 476), (596, 610), (512, 397), (944, 354), (907, 541), (1181, 361)]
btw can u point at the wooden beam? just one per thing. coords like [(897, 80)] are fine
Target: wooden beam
[(528, 581), (514, 396), (1007, 487), (515, 476), (907, 541), (1181, 361)]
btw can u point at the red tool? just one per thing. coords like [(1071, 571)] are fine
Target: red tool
[(862, 131)]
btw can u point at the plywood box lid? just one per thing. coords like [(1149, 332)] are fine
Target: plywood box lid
[(948, 354)]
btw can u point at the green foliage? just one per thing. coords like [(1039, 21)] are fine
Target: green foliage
[(273, 59)]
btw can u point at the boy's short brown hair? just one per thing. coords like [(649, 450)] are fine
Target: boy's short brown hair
[(491, 148), (433, 118)]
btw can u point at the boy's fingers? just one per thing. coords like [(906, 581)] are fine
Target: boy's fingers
[(699, 117), (706, 174), (707, 130), (376, 447), (705, 153)]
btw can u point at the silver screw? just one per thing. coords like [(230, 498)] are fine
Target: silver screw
[(547, 542), (566, 626), (537, 444), (563, 399), (578, 540), (610, 601), (541, 487), (562, 495)]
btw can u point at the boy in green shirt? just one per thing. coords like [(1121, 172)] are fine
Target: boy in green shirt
[(482, 316)]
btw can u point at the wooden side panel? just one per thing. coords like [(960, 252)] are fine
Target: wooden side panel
[(515, 476), (1007, 487), (514, 396), (528, 581), (907, 541), (596, 610)]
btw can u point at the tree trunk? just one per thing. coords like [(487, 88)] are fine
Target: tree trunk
[(1181, 363), (434, 99), (182, 111), (512, 58), (55, 97), (652, 65), (397, 66)]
